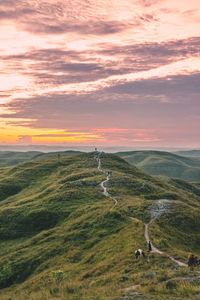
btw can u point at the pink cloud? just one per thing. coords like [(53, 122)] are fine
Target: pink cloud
[(24, 139), (128, 136), (119, 70)]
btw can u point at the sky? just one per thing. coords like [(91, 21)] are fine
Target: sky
[(101, 73)]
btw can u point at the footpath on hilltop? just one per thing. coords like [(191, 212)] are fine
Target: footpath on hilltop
[(70, 223)]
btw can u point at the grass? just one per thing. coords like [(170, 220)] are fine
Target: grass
[(62, 239), (164, 163), (10, 158)]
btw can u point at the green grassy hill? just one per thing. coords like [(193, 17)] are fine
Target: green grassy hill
[(189, 153), (11, 158), (61, 238), (164, 163)]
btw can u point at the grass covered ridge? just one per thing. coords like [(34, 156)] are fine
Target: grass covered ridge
[(61, 239), (164, 163)]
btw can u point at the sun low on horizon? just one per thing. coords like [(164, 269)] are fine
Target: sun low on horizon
[(104, 73)]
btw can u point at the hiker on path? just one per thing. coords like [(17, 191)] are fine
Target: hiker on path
[(149, 246), (196, 261), (191, 260), (139, 253)]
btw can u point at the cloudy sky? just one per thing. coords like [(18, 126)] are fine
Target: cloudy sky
[(110, 73)]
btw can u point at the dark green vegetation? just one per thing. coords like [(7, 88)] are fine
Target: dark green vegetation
[(164, 163), (60, 238)]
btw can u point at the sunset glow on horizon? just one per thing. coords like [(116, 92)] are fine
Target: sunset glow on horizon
[(104, 73)]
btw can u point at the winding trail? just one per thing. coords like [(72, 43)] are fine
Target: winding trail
[(156, 250), (103, 184), (156, 211), (159, 208)]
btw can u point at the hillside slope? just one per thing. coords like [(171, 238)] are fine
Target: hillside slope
[(164, 163), (189, 153), (11, 158), (61, 238)]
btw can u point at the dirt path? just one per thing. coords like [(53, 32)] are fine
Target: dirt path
[(103, 184), (156, 211)]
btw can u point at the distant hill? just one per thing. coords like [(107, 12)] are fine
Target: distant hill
[(61, 238), (189, 153), (11, 158), (164, 163), (58, 154)]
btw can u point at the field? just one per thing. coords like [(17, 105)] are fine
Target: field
[(61, 238)]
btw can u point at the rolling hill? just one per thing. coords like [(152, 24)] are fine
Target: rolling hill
[(61, 238), (189, 153), (11, 158), (164, 163)]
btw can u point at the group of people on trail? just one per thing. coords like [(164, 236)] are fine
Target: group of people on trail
[(140, 252), (193, 261)]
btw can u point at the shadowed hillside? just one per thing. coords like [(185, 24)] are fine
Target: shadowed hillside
[(164, 163), (61, 238)]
